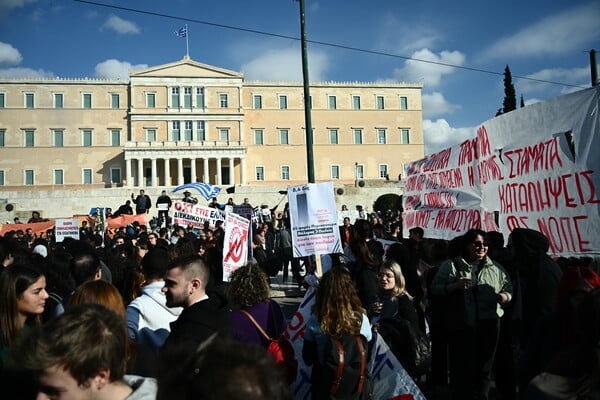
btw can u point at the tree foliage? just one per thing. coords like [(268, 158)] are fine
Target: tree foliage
[(510, 95)]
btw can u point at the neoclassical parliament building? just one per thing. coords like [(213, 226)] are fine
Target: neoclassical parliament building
[(188, 122)]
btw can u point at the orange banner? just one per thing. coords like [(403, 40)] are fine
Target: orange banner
[(38, 227), (125, 219)]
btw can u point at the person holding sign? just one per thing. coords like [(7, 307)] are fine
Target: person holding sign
[(163, 204)]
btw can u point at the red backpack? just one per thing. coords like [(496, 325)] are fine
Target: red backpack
[(281, 350)]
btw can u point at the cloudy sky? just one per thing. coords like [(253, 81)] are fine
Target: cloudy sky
[(458, 50)]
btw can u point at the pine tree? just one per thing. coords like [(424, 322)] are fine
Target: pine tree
[(522, 102), (510, 96)]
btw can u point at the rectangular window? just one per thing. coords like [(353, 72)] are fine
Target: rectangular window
[(115, 137), (28, 177), (403, 103), (357, 136), (187, 97), (356, 102), (383, 170), (224, 134), (360, 171), (29, 138), (29, 100), (332, 102), (86, 100), (176, 132), (380, 102), (115, 100), (285, 173), (381, 136), (86, 176), (259, 172), (283, 102), (284, 136), (405, 136), (151, 100), (2, 137), (115, 175), (223, 100), (200, 131), (2, 100), (151, 135), (188, 130), (200, 97), (335, 172), (175, 97), (86, 138), (59, 177), (333, 136), (59, 100), (257, 101), (59, 135), (259, 136), (2, 183)]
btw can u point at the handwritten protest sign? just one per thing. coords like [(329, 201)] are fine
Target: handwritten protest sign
[(314, 219), (535, 167), (187, 214), (389, 377), (235, 243), (66, 228)]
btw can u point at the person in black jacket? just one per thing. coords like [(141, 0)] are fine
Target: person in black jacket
[(204, 312), (142, 202)]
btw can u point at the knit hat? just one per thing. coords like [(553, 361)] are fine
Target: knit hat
[(41, 250)]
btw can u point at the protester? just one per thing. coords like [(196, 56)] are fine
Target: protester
[(35, 217), (99, 292), (142, 202), (163, 204), (188, 198)]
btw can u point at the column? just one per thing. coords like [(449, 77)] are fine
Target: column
[(154, 174), (231, 177), (205, 178), (179, 171), (167, 172), (128, 172), (193, 168), (243, 170), (140, 181), (219, 171)]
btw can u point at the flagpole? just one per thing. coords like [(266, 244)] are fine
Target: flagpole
[(187, 44)]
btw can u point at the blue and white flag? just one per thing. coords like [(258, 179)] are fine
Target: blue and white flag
[(182, 32), (207, 190)]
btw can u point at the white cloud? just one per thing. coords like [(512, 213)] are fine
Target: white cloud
[(6, 5), (120, 25), (573, 76), (435, 104), (397, 37), (285, 65), (439, 135), (430, 73), (25, 73), (557, 34), (9, 56), (112, 69)]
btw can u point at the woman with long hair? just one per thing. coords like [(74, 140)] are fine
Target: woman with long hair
[(337, 312)]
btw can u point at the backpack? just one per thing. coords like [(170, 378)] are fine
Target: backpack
[(281, 350), (344, 373), (410, 346)]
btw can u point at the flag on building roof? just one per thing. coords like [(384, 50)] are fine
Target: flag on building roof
[(207, 190), (182, 32)]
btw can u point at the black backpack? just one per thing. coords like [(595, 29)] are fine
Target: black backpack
[(344, 373)]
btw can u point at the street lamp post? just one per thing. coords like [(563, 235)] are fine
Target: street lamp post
[(309, 137)]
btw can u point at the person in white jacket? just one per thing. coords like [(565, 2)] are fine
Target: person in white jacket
[(148, 316)]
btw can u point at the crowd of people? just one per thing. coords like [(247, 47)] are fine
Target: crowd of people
[(144, 312)]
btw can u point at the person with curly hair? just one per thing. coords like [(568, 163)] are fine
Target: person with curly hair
[(249, 291)]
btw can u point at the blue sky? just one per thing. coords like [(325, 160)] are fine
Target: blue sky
[(547, 40)]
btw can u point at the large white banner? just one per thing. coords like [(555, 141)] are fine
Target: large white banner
[(536, 167), (187, 214), (313, 218), (235, 244)]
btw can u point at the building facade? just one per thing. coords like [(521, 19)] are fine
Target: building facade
[(187, 121)]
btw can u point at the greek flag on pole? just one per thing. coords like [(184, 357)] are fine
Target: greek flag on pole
[(182, 32), (207, 190)]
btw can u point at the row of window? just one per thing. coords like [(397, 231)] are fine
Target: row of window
[(332, 103), (58, 176), (58, 137), (334, 136), (334, 172), (58, 100)]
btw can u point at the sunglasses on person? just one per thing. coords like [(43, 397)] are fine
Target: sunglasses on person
[(480, 244)]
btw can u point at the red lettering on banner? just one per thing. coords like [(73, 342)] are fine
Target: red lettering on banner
[(471, 175), (550, 192), (513, 222), (449, 179), (476, 148), (297, 324), (488, 170), (437, 161), (416, 167), (439, 199), (564, 234), (457, 220), (418, 218), (412, 202), (542, 156), (414, 183)]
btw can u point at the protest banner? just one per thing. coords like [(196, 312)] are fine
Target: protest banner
[(37, 228), (125, 219), (534, 167), (389, 377), (235, 244), (187, 214), (66, 228), (313, 219)]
